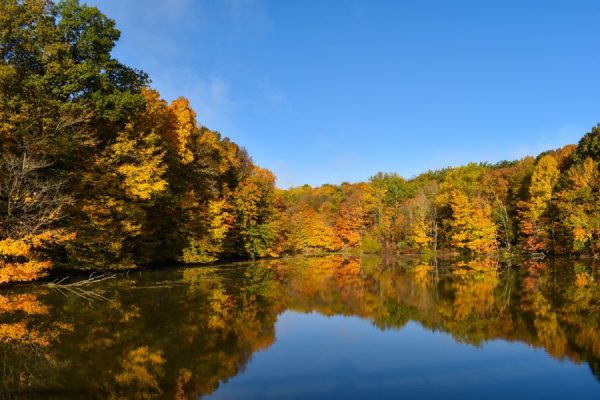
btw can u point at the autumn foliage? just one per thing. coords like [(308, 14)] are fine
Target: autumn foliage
[(97, 171)]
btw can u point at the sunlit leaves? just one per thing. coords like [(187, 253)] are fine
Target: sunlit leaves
[(579, 205), (24, 259), (535, 224), (184, 129), (473, 228)]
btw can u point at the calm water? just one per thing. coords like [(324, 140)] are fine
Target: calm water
[(330, 328)]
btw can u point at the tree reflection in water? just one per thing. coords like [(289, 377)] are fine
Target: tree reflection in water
[(181, 333)]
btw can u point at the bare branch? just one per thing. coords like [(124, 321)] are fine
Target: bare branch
[(29, 201)]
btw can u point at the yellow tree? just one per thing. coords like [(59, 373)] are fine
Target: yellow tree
[(423, 228), (579, 205), (184, 130), (254, 203), (307, 231), (535, 224), (351, 216), (349, 224), (318, 233), (209, 246), (387, 194), (472, 224), (125, 179)]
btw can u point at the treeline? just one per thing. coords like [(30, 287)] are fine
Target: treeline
[(544, 205), (97, 172)]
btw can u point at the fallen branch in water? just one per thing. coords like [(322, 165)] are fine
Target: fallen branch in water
[(85, 294), (77, 288), (90, 280)]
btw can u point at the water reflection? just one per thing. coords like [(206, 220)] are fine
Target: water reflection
[(182, 333)]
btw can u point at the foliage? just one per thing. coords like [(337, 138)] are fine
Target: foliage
[(97, 171), (535, 219), (94, 158), (473, 228)]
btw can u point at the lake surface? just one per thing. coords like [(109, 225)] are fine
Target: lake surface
[(310, 328)]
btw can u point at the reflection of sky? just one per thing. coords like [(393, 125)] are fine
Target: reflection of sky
[(335, 90), (346, 357)]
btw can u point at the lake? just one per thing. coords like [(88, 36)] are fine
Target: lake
[(333, 327)]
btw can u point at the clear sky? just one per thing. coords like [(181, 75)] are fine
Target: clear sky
[(329, 91)]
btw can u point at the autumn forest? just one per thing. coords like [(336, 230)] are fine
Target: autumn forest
[(144, 255), (98, 172)]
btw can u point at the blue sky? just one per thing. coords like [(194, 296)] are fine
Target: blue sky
[(329, 91)]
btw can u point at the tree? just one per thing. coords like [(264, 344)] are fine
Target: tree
[(534, 212), (473, 228), (466, 181), (254, 202), (588, 146), (424, 218), (63, 98), (388, 194), (352, 213), (184, 130), (127, 177), (579, 205), (31, 208)]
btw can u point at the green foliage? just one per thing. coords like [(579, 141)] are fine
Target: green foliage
[(589, 146), (371, 245)]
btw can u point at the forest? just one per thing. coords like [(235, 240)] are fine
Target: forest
[(98, 172)]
